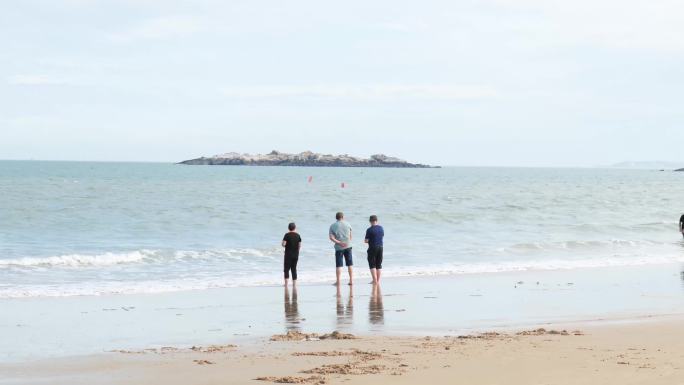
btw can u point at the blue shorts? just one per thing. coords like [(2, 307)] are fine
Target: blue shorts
[(347, 254)]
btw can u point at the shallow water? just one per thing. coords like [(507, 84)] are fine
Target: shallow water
[(39, 327), (78, 228)]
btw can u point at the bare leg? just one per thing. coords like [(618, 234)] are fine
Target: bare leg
[(377, 275), (351, 281), (373, 275), (338, 272), (285, 282)]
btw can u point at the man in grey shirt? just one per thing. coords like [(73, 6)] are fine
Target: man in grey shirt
[(341, 235)]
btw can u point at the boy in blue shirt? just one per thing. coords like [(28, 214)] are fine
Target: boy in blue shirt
[(374, 237)]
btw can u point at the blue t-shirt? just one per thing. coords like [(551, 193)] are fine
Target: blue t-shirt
[(374, 234)]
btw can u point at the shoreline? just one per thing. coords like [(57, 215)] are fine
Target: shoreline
[(361, 274), (418, 306)]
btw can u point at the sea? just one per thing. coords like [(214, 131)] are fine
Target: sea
[(95, 228)]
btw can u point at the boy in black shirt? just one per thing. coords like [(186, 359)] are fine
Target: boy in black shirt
[(292, 242)]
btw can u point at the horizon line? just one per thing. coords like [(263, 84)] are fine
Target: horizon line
[(612, 166)]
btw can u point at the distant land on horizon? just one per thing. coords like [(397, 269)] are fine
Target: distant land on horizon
[(649, 165), (303, 159)]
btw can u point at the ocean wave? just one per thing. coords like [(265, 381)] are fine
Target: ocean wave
[(316, 276), (138, 256), (76, 260), (578, 245)]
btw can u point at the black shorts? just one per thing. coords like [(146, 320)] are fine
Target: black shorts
[(375, 257)]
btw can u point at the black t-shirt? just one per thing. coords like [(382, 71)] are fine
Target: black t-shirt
[(292, 241)]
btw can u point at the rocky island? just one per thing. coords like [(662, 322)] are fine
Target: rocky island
[(304, 159)]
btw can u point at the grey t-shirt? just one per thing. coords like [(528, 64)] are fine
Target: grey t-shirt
[(341, 230)]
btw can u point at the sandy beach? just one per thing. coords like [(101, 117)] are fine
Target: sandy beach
[(518, 328), (39, 328), (647, 351)]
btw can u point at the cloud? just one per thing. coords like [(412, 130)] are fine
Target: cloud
[(159, 28), (35, 80), (365, 92), (623, 24)]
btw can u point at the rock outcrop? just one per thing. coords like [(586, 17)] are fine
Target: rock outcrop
[(304, 159)]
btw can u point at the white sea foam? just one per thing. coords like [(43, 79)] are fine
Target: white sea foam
[(138, 256), (77, 260), (316, 276), (592, 246)]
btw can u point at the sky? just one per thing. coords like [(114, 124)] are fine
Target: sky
[(470, 83)]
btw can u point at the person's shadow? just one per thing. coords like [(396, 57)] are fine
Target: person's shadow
[(345, 314), (376, 312), (291, 309)]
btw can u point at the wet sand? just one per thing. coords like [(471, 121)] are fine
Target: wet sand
[(650, 351)]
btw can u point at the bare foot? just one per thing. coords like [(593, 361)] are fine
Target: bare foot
[(350, 284)]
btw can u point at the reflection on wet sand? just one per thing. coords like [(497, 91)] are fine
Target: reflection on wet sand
[(345, 314), (376, 313), (291, 309)]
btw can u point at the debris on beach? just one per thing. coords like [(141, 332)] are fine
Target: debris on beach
[(293, 335), (334, 353), (542, 331), (317, 380), (483, 336), (365, 355), (171, 349), (299, 336), (213, 348), (352, 368), (203, 362), (357, 366), (337, 336)]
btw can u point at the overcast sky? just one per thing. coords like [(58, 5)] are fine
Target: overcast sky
[(489, 82)]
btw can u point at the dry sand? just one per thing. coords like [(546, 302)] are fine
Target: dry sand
[(648, 352)]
